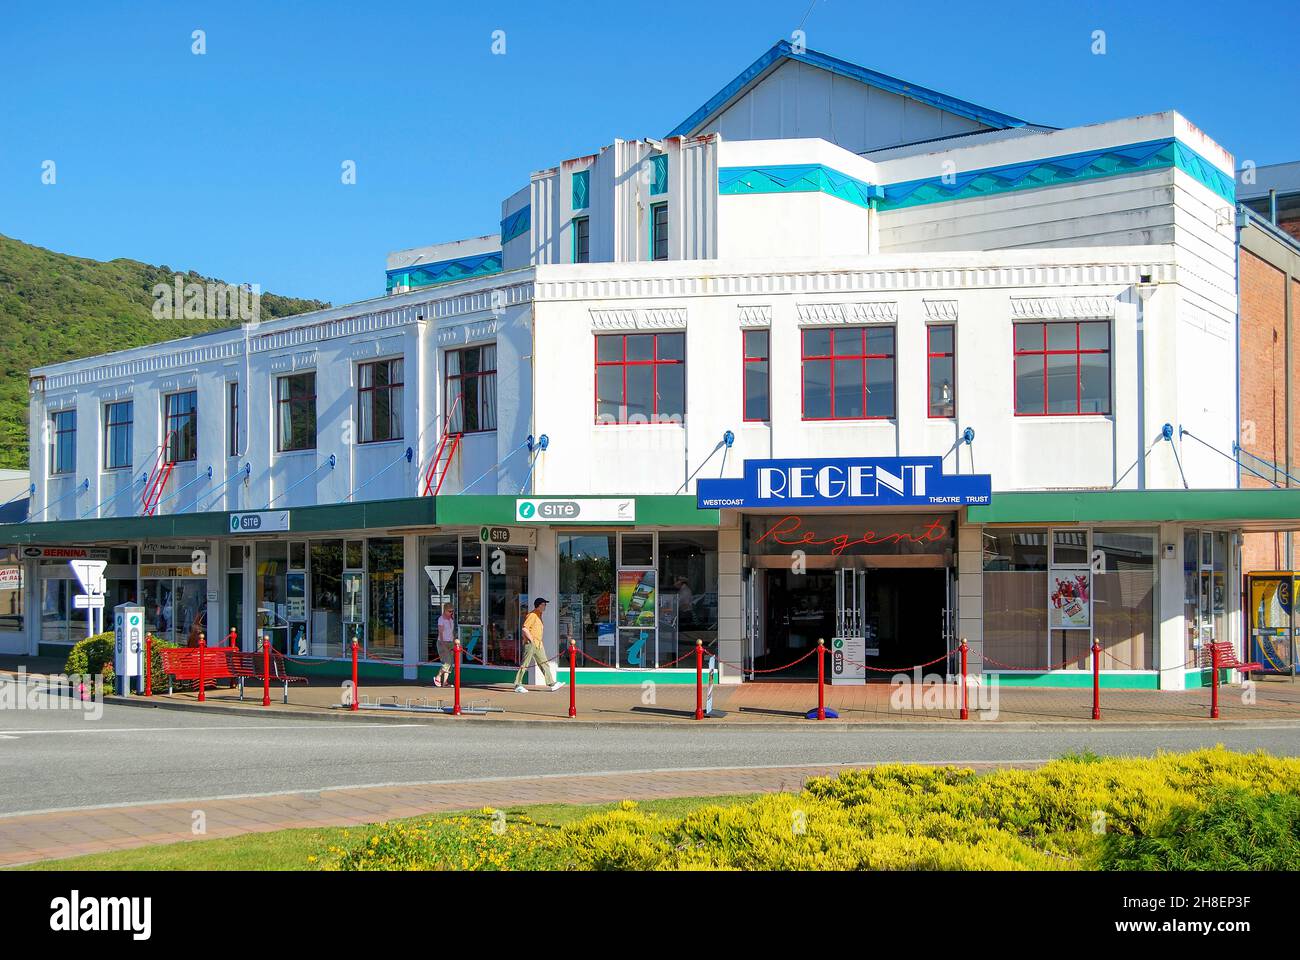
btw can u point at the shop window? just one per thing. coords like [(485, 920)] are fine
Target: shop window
[(175, 608), (640, 377), (272, 593), (757, 376), (688, 600), (327, 635), (848, 373), (585, 605), (659, 231), (508, 602), (379, 394), (581, 184), (118, 422), (11, 597), (636, 550), (582, 240), (296, 417), (472, 389), (1124, 604), (181, 425), (439, 552), (1015, 598), (384, 611), (1062, 369), (658, 176), (63, 442), (941, 372)]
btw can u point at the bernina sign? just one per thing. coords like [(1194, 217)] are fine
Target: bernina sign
[(845, 482)]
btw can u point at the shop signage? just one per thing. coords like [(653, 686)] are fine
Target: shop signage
[(66, 553), (83, 601), (167, 571), (845, 482), (11, 578), (507, 536), (847, 663), (128, 624), (585, 510), (264, 521)]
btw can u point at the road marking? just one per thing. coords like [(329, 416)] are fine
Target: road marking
[(250, 728)]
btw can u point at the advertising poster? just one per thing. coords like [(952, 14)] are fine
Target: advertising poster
[(1069, 603), (569, 620), (606, 635), (296, 592), (11, 578), (636, 598)]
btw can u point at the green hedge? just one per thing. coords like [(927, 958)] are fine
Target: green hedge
[(1210, 809), (94, 655)]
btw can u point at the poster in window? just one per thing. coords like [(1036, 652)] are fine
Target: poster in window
[(636, 598), (296, 595), (1069, 604), (569, 620), (352, 598)]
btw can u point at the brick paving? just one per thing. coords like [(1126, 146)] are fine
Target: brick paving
[(1273, 699), (44, 836)]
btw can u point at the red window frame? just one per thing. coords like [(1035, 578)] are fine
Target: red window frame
[(863, 356), (289, 405), (745, 360), (656, 362), (388, 388), (1078, 352), (933, 354), (182, 426)]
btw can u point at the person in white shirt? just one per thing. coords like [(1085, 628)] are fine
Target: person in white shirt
[(446, 644)]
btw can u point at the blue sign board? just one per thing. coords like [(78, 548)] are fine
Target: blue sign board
[(845, 482)]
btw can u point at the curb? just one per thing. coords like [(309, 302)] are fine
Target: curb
[(405, 719)]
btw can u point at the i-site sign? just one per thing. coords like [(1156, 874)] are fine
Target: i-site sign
[(845, 482)]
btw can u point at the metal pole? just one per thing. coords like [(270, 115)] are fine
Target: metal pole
[(1096, 680), (266, 672), (821, 678), (1214, 682), (455, 709), (203, 643), (573, 685), (355, 696), (965, 709), (699, 679)]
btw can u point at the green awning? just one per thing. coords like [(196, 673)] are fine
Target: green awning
[(1260, 508), (651, 509)]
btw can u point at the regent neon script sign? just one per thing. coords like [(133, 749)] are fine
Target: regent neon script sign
[(790, 532)]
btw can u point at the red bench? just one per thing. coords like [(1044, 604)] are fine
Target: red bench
[(1221, 656), (224, 663)]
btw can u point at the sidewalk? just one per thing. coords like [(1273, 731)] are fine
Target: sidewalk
[(1274, 700), (44, 836)]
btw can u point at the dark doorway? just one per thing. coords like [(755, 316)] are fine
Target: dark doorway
[(903, 618)]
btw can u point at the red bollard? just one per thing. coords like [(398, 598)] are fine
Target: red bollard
[(455, 708), (1096, 680), (965, 708), (148, 664), (699, 679), (234, 639), (355, 696), (266, 673), (1214, 683), (821, 679), (203, 644), (573, 685)]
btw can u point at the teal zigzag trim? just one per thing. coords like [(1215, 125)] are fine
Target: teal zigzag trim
[(1131, 158), (517, 224), (797, 178), (445, 271)]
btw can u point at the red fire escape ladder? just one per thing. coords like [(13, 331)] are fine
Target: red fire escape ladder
[(448, 444), (158, 477)]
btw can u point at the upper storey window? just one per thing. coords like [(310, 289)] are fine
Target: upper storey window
[(1062, 369)]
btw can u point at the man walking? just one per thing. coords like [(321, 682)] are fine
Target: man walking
[(534, 651), (446, 644)]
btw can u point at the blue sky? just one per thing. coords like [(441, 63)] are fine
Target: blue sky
[(229, 163)]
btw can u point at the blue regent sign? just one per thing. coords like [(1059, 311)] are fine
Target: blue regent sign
[(845, 482)]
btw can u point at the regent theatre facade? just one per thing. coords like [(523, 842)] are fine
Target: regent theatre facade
[(926, 372)]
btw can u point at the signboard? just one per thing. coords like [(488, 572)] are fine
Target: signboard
[(167, 571), (508, 536), (65, 553), (84, 601), (90, 573), (11, 578), (636, 598), (576, 510), (295, 607), (128, 640), (1070, 603), (713, 679), (440, 581), (263, 521), (848, 664), (606, 635), (845, 482)]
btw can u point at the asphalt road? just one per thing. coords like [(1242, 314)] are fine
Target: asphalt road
[(57, 759)]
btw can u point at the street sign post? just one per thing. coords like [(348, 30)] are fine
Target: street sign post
[(90, 573), (440, 580)]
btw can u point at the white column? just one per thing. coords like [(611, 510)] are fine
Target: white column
[(1171, 627), (412, 593), (544, 581)]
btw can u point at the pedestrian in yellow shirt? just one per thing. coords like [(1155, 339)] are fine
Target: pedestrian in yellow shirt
[(534, 651)]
